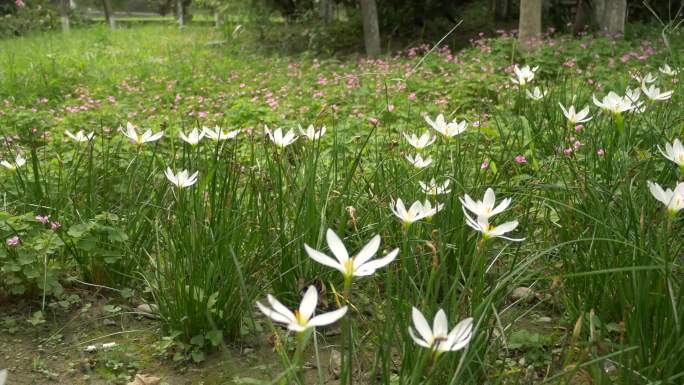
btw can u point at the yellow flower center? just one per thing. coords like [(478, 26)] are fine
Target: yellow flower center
[(349, 267)]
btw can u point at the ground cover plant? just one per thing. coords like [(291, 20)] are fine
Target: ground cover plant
[(435, 216)]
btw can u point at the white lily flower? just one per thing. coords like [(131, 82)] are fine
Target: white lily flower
[(192, 138), (311, 133), (667, 70), (278, 138), (575, 117), (301, 319), (649, 78), (486, 207), (181, 180), (359, 265), (490, 231), (80, 136), (435, 189), (217, 134), (438, 338), (523, 75), (673, 200), (653, 93), (18, 162), (420, 143), (633, 94), (418, 161), (674, 152), (136, 138), (416, 212), (448, 130), (614, 103), (537, 94)]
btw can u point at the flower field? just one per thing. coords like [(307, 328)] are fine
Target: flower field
[(178, 199)]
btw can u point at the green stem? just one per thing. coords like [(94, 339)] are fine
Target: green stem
[(347, 361)]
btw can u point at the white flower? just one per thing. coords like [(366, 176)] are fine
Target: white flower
[(418, 161), (419, 143), (666, 70), (614, 103), (80, 136), (674, 152), (301, 319), (433, 188), (486, 207), (311, 134), (654, 93), (193, 138), (108, 345), (357, 266), (673, 200), (649, 78), (633, 94), (136, 138), (18, 162), (438, 338), (448, 130), (523, 75), (490, 231), (182, 179), (217, 134), (575, 117), (536, 94), (278, 139), (416, 212)]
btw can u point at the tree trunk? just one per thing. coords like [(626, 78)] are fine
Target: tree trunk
[(109, 14), (614, 16), (64, 15), (180, 12), (529, 27), (581, 17), (371, 30), (218, 19), (501, 10), (326, 10)]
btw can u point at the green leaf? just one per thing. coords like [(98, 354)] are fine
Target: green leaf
[(215, 337), (197, 340), (197, 356)]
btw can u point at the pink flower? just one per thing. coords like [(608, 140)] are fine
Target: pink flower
[(520, 159), (484, 165), (55, 225), (374, 121), (579, 128), (13, 241), (412, 96), (600, 152), (567, 151), (20, 3), (44, 219)]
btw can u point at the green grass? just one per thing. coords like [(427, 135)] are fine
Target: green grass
[(600, 252)]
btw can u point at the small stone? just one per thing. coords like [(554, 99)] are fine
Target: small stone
[(145, 379), (335, 367), (148, 310), (522, 294)]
